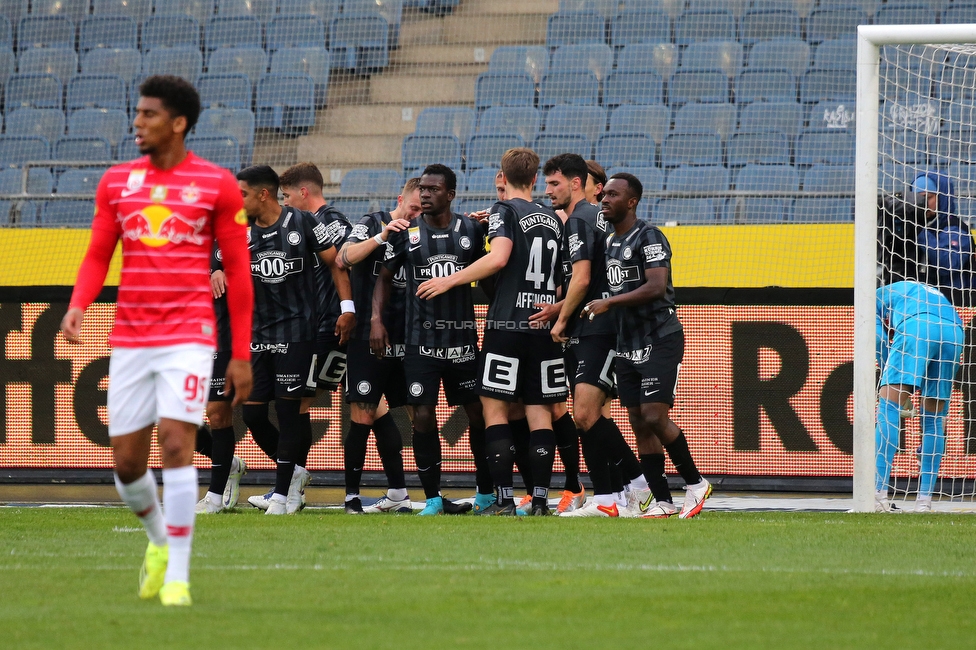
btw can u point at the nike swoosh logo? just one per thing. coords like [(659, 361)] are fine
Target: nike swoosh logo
[(412, 249), (127, 192), (648, 394), (292, 389), (221, 392), (610, 511), (646, 503)]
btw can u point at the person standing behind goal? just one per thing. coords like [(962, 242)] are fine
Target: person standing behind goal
[(166, 207)]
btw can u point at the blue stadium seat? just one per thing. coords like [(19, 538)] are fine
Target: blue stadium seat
[(354, 209), (913, 147), (126, 64), (820, 85), (606, 8), (790, 53), (766, 148), (764, 178), (763, 25), (223, 150), (909, 75), (286, 102), (532, 60), (390, 10), (170, 30), (631, 149), (137, 10), (685, 211), (652, 178), (6, 33), (59, 61), (485, 150), (70, 214), (653, 121), (458, 121), (312, 61), (201, 10), (107, 31), (45, 122), (590, 121), (325, 10), (186, 62), (108, 123), (260, 10), (80, 181), (713, 55), (418, 151), (831, 115), (574, 28), (597, 59), (503, 89), (96, 91), (8, 64), (39, 181), (251, 61), (765, 84), (82, 147), (73, 10), (661, 58), (640, 25), (224, 91), (578, 88), (784, 117), (644, 88), (706, 178), (704, 25), (236, 122), (835, 54), (958, 13), (548, 145), (720, 118), (905, 14), (128, 149), (895, 176), (826, 178), (834, 22), (34, 90), (45, 31), (358, 42), (482, 181), (367, 182), (295, 30), (827, 146), (15, 150), (698, 86), (233, 31), (704, 148), (522, 120)]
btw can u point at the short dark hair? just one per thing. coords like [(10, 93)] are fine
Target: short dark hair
[(596, 170), (437, 169), (260, 176), (570, 165), (300, 174), (632, 182), (178, 95)]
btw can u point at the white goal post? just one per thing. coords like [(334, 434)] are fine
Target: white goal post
[(870, 39)]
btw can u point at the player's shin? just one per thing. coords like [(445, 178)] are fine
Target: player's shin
[(179, 497), (933, 446), (886, 436), (142, 497), (568, 444), (223, 457), (542, 447), (305, 430), (389, 445), (354, 456), (520, 441), (289, 443), (681, 457), (264, 433), (427, 454), (596, 460), (476, 440), (657, 480)]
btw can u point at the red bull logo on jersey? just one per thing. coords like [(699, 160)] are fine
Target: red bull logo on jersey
[(157, 225)]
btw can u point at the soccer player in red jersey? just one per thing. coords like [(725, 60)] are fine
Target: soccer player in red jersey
[(166, 207)]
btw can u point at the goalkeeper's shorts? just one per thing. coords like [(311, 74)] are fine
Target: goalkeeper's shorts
[(924, 354)]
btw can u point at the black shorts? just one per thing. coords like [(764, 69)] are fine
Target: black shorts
[(280, 370), (590, 360), (218, 377), (329, 359), (369, 378), (519, 365), (650, 375), (424, 368)]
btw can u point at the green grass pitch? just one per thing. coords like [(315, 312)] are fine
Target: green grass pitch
[(326, 580)]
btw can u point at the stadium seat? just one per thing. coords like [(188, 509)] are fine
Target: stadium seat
[(589, 121), (764, 178), (70, 214), (80, 181), (59, 61), (6, 34), (831, 115), (286, 102), (126, 64), (763, 25), (224, 91), (819, 85), (522, 120), (905, 14), (111, 124), (578, 88), (766, 148), (312, 61), (835, 54), (260, 10), (503, 89), (33, 90), (418, 151), (704, 25), (186, 62), (45, 31), (653, 121), (808, 209), (367, 182), (485, 150), (222, 150), (137, 10), (707, 178), (790, 53), (548, 145), (909, 76), (295, 30), (606, 8), (652, 178), (720, 118), (324, 10), (574, 28), (713, 55), (686, 211), (233, 31), (250, 61), (96, 91), (894, 176), (644, 88), (827, 146), (73, 10), (458, 121), (201, 10), (765, 84), (390, 10), (698, 86), (107, 31), (630, 149), (354, 209), (834, 22), (661, 58), (785, 117), (45, 122), (82, 147), (128, 149), (15, 150), (958, 13), (8, 64), (828, 178), (597, 59), (39, 181), (640, 25), (170, 30), (358, 42), (704, 148), (482, 181), (236, 122), (532, 60)]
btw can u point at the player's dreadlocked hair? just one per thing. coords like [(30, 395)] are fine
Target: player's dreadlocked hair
[(178, 96)]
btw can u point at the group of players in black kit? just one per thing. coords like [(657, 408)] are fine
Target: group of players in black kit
[(581, 299)]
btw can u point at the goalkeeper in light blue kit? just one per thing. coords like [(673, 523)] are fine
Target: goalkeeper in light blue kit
[(919, 342)]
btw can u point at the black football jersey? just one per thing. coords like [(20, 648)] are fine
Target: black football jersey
[(586, 233), (425, 252), (221, 314), (642, 247), (363, 276), (283, 269), (336, 229), (533, 271)]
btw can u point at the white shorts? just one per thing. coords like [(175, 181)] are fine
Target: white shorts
[(146, 384)]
